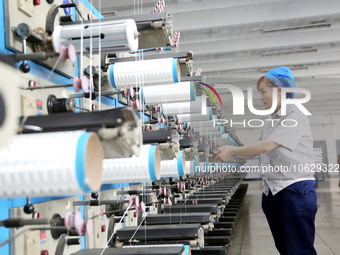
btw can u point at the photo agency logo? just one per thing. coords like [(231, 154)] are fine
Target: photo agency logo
[(239, 105)]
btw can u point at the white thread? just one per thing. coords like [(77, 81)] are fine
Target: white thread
[(147, 213), (179, 92), (183, 107), (155, 72), (192, 117), (91, 57), (115, 229), (189, 166), (134, 169), (47, 164), (115, 36), (169, 168), (100, 61)]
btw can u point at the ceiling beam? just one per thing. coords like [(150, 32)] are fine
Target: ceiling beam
[(272, 61), (244, 40), (323, 71), (263, 13), (127, 7), (263, 46)]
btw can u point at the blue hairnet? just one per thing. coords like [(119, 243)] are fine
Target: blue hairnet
[(283, 77)]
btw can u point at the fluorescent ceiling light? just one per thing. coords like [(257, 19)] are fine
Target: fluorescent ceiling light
[(291, 51), (281, 29)]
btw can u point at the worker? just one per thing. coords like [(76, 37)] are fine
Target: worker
[(289, 199)]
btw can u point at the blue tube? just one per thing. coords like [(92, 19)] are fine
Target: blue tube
[(142, 94), (80, 159), (174, 70), (187, 249), (192, 91), (162, 112), (151, 163), (210, 113), (196, 168), (180, 168), (112, 78)]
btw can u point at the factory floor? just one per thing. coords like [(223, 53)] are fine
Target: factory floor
[(252, 235)]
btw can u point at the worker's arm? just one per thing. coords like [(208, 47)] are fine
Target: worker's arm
[(224, 153)]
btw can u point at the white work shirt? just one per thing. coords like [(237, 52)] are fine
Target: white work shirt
[(294, 157)]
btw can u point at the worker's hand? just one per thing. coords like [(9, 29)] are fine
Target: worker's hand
[(224, 153)]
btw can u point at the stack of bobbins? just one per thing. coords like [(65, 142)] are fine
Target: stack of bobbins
[(130, 93), (179, 127), (159, 8), (163, 191), (139, 206), (79, 84), (71, 54), (175, 40), (207, 181), (167, 201), (74, 220), (201, 183), (180, 186), (67, 53), (159, 49), (160, 119), (166, 196), (198, 72)]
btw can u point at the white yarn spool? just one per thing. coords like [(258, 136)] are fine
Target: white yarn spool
[(116, 36), (179, 92), (170, 109), (203, 167), (195, 169), (188, 165), (146, 167), (194, 117), (51, 164), (198, 105), (181, 108), (149, 72), (175, 167), (191, 167), (9, 102), (204, 104)]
